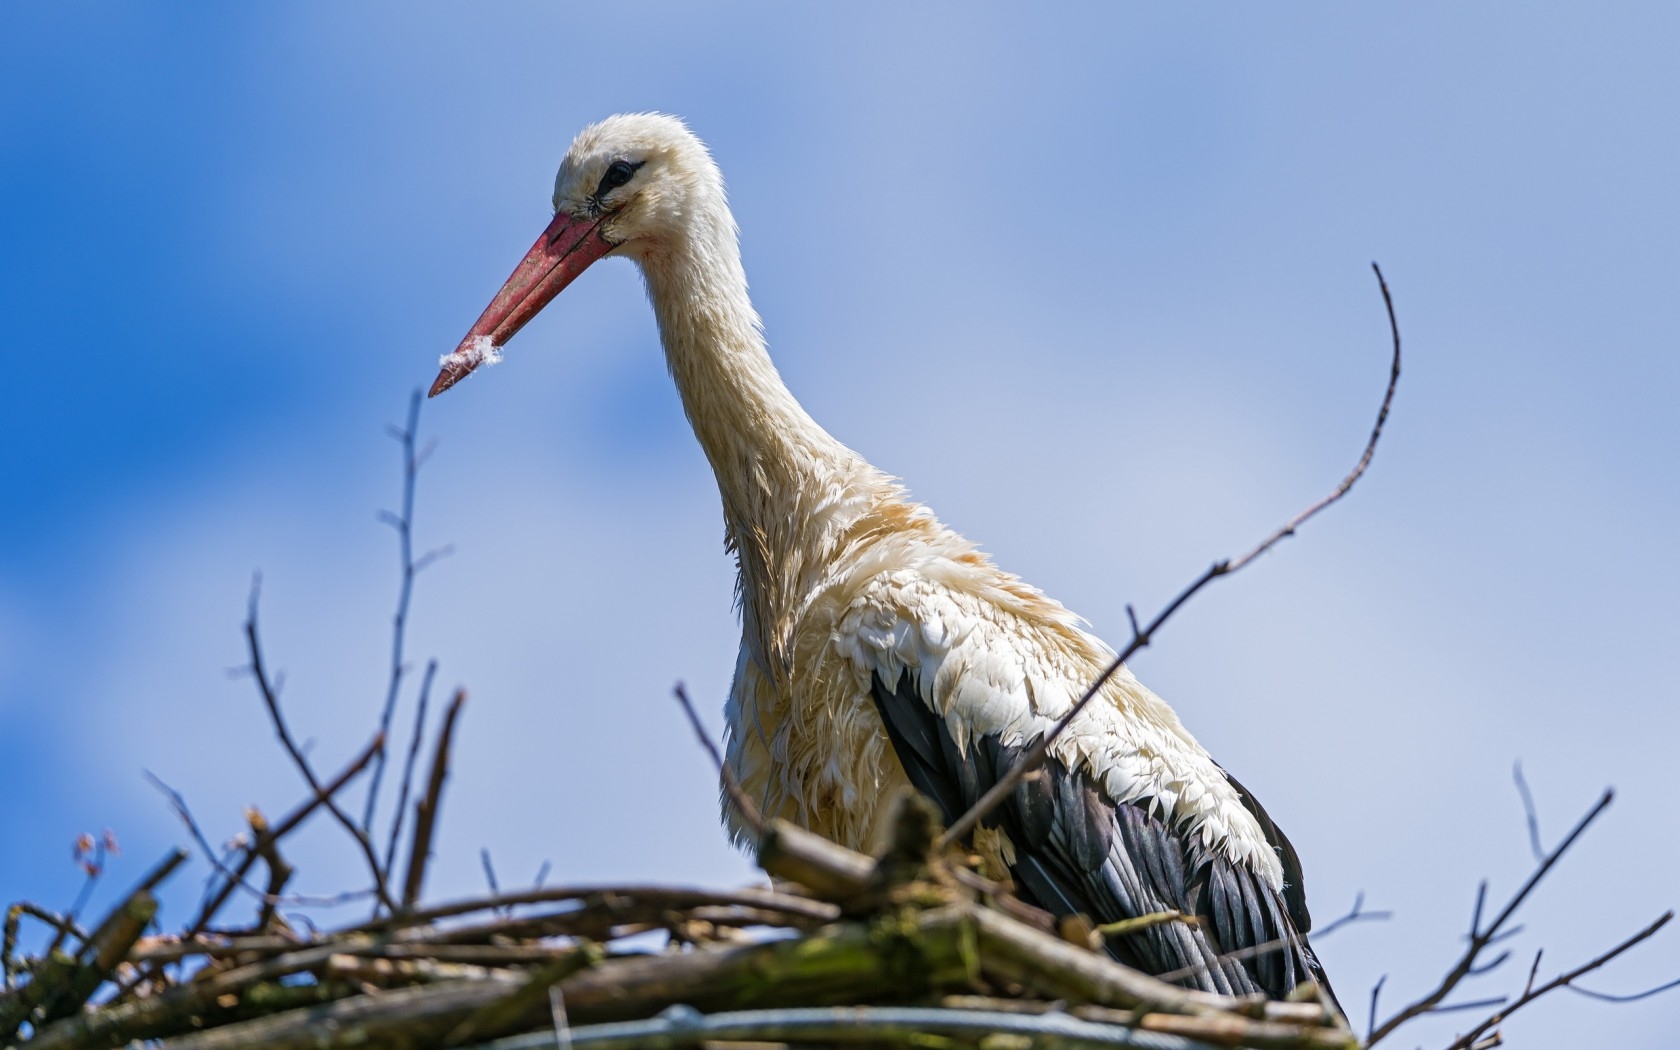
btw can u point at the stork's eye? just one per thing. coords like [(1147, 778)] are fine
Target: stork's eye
[(618, 173)]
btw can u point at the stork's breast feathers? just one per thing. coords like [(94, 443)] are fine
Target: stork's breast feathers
[(991, 671)]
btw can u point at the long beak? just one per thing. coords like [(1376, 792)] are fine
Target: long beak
[(563, 251)]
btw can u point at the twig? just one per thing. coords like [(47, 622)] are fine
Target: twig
[(1128, 927), (1356, 914), (414, 741), (1481, 938), (490, 877), (280, 830), (1376, 993), (61, 924), (1469, 1039), (425, 814), (659, 897), (261, 846), (271, 700), (1529, 812), (1036, 754), (404, 525), (92, 869), (1631, 997), (731, 787), (62, 983), (279, 871)]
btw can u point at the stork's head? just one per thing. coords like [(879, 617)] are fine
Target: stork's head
[(631, 185)]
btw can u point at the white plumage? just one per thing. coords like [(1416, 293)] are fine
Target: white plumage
[(879, 647)]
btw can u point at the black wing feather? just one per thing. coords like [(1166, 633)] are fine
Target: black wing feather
[(1077, 851)]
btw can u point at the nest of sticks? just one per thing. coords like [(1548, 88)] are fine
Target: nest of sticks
[(908, 949)]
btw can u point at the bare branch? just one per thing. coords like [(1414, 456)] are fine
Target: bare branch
[(262, 847), (1036, 754), (425, 814), (281, 830), (1357, 913), (1471, 1038), (732, 787), (1633, 997), (1529, 811), (490, 875), (414, 740), (271, 700), (1376, 993), (62, 925), (1481, 938), (403, 523)]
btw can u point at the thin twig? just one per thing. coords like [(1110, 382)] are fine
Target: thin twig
[(731, 787), (1562, 980), (1356, 914), (1376, 993), (1036, 754), (62, 924), (1529, 811), (91, 869), (403, 523), (281, 830), (664, 897), (425, 814), (1632, 997), (271, 700), (414, 740), (1480, 937), (490, 877), (262, 844)]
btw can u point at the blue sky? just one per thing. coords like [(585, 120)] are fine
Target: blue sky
[(1093, 281)]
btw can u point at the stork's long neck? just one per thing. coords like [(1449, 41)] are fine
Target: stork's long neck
[(788, 486)]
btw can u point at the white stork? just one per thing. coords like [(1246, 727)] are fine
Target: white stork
[(879, 647)]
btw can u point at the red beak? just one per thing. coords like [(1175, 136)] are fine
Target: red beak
[(563, 251)]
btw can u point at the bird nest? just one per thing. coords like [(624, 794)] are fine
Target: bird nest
[(908, 949)]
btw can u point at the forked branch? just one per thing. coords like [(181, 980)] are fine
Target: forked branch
[(1481, 938), (270, 692)]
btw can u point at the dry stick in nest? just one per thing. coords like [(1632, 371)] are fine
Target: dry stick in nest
[(425, 813), (271, 700), (62, 925), (940, 949), (1141, 636), (1481, 938), (1355, 914), (280, 830), (660, 897), (279, 870), (64, 983)]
